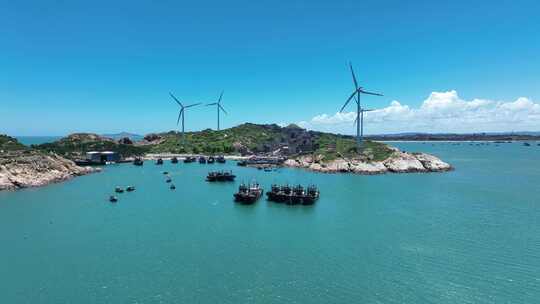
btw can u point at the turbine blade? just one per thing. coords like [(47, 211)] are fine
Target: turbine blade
[(192, 105), (175, 99), (348, 100), (212, 104), (355, 120), (220, 96), (222, 109), (367, 110), (369, 93), (353, 76)]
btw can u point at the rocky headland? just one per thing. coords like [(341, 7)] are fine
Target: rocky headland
[(396, 162), (21, 167)]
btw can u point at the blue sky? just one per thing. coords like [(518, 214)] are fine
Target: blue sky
[(99, 66)]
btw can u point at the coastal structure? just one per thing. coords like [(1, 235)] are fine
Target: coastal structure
[(102, 157)]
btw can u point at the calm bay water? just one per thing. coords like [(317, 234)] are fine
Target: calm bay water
[(467, 236)]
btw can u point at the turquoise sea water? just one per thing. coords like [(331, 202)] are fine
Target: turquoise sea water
[(467, 236)]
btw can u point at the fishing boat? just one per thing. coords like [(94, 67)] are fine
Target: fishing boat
[(174, 160), (293, 196), (248, 194), (220, 176), (118, 190), (130, 188), (220, 159), (189, 159), (159, 161), (275, 194), (138, 161), (211, 160), (297, 195), (113, 199), (202, 160), (311, 195)]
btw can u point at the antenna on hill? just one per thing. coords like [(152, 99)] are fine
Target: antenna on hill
[(219, 108), (359, 111), (181, 114)]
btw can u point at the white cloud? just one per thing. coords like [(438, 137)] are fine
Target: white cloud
[(440, 112)]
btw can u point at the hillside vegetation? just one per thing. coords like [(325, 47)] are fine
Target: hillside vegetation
[(245, 139), (8, 143), (75, 145)]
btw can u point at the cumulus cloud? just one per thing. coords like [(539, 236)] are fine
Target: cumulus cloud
[(440, 112)]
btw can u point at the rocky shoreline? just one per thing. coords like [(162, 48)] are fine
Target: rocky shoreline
[(23, 169), (398, 162)]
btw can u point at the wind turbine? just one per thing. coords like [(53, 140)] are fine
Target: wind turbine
[(181, 114), (218, 107), (362, 120), (359, 111)]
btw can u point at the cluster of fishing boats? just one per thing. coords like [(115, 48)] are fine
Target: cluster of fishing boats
[(297, 195), (168, 180), (138, 161), (247, 193), (114, 199)]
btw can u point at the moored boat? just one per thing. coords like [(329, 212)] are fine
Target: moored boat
[(159, 161), (293, 196), (118, 190), (220, 159), (220, 176), (174, 160), (311, 195), (113, 199), (202, 160), (189, 159), (276, 194), (130, 188), (168, 180), (211, 160), (297, 195), (138, 161), (172, 187), (248, 194)]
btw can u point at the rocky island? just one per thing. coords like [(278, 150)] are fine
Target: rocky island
[(22, 167), (317, 151)]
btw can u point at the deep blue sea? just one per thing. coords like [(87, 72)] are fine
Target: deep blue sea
[(467, 236)]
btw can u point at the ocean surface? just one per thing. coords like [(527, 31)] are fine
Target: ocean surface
[(467, 236)]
